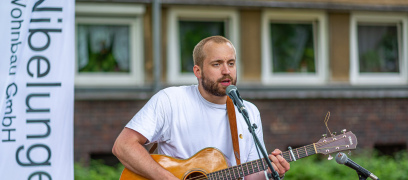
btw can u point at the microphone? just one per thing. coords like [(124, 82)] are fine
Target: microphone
[(233, 93), (341, 158)]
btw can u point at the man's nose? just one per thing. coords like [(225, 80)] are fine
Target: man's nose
[(225, 69)]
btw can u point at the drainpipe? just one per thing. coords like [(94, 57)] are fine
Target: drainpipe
[(156, 14)]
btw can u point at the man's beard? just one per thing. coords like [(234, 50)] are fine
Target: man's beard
[(212, 87)]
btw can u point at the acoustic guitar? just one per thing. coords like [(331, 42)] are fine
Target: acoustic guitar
[(210, 163)]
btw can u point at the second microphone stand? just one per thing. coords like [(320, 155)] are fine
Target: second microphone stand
[(361, 176)]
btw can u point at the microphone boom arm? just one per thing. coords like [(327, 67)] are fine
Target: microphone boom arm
[(232, 92)]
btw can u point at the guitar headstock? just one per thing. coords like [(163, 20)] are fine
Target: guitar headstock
[(344, 141)]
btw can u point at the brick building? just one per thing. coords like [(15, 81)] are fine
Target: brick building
[(297, 60)]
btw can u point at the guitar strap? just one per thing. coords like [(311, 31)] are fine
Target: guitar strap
[(233, 126), (153, 148), (234, 132)]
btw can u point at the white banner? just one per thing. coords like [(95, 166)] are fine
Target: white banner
[(36, 89)]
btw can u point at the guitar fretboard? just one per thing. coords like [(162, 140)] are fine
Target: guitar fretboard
[(299, 153), (252, 167)]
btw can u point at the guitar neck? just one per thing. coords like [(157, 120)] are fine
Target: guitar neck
[(299, 153), (252, 167)]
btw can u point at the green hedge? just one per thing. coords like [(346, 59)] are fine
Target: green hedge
[(319, 168), (97, 171), (315, 167)]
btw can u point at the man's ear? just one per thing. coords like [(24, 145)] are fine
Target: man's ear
[(197, 71)]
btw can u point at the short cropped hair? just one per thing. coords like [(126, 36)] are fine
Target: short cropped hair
[(198, 53)]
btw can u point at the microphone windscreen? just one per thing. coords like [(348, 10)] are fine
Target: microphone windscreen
[(230, 88), (341, 158)]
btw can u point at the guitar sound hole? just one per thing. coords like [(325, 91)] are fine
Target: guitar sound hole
[(196, 175)]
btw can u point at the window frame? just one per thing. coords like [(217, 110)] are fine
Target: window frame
[(231, 17), (357, 78), (113, 14), (321, 43)]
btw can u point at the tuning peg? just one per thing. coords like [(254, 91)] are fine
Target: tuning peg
[(343, 131), (330, 157), (334, 133), (324, 135)]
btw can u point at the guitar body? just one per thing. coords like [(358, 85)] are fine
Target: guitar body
[(205, 161), (211, 160)]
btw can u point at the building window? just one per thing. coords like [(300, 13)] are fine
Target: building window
[(191, 32), (294, 47), (377, 49), (186, 28), (103, 48), (109, 49)]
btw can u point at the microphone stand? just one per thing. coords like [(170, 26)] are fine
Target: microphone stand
[(251, 129), (361, 176)]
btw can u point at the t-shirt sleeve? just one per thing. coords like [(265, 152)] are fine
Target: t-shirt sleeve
[(152, 120), (253, 154)]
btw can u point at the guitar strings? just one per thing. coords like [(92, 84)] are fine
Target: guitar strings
[(309, 150), (327, 142), (250, 169), (300, 152), (197, 178), (310, 146), (327, 120)]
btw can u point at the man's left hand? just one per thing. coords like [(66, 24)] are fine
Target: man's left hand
[(278, 162)]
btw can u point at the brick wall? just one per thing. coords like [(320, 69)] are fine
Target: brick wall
[(98, 123), (293, 122), (300, 122)]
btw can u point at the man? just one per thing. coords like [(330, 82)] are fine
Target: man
[(183, 120)]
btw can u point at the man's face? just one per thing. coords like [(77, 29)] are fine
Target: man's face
[(219, 68)]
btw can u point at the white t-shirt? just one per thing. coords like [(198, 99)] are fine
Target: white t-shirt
[(182, 122)]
